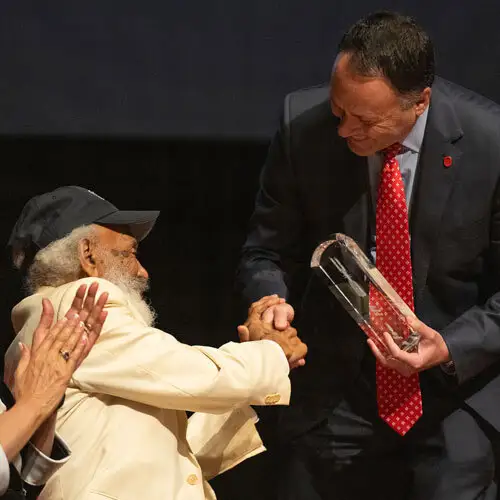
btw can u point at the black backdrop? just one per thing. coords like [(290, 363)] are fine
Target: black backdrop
[(199, 68), (171, 105)]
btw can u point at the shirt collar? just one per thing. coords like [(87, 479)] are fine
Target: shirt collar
[(414, 139)]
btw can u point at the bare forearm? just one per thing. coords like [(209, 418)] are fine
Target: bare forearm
[(17, 425), (43, 439)]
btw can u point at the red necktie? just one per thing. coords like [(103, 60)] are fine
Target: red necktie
[(398, 397)]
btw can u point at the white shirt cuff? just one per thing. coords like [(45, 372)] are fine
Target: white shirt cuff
[(249, 412), (4, 472), (37, 467)]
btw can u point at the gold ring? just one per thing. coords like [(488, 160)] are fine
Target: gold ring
[(65, 354)]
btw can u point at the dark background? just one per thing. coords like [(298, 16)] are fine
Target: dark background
[(204, 68), (170, 106)]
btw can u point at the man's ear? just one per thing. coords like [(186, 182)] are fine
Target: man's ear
[(423, 101), (86, 254)]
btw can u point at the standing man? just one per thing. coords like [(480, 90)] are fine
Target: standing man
[(387, 139)]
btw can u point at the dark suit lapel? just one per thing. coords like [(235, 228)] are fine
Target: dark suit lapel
[(355, 219), (434, 184), (348, 186)]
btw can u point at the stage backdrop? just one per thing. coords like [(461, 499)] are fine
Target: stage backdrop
[(210, 68)]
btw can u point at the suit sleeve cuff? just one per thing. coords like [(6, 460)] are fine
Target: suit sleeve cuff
[(38, 467), (282, 355), (265, 282)]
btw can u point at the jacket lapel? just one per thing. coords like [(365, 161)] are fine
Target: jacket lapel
[(355, 220), (434, 184)]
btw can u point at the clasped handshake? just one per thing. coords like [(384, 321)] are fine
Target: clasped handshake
[(261, 324)]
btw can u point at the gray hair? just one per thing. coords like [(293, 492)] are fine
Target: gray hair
[(57, 263)]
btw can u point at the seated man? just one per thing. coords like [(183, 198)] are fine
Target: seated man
[(124, 413)]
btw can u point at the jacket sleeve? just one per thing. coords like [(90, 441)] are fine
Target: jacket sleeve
[(136, 362), (275, 226), (473, 339), (221, 442)]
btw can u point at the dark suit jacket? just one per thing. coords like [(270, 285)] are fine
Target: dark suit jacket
[(312, 185)]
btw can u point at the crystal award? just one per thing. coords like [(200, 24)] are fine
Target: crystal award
[(364, 292)]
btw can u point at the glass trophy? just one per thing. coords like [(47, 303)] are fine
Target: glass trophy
[(364, 292)]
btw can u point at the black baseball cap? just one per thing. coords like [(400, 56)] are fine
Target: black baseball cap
[(52, 216)]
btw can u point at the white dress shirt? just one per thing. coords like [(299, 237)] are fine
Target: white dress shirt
[(408, 163)]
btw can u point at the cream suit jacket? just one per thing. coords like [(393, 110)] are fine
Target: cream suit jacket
[(124, 414)]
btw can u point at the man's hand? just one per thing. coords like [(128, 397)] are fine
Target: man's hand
[(279, 315), (431, 351), (255, 328), (295, 350)]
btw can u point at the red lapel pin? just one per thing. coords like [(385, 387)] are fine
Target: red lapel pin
[(447, 161)]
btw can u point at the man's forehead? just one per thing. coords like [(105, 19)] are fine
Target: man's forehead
[(118, 234), (362, 97)]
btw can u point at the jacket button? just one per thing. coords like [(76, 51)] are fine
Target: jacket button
[(192, 479), (272, 399)]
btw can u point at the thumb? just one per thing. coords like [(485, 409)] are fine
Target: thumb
[(268, 315), (421, 328), (280, 319), (297, 364)]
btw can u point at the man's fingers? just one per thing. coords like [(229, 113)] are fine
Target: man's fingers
[(261, 305), (299, 352), (243, 333), (393, 349), (421, 328), (389, 361), (268, 315), (291, 333), (412, 360), (297, 364)]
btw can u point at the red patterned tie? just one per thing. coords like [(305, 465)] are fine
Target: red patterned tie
[(398, 397)]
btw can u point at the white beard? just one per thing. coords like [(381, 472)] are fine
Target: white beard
[(134, 288), (139, 303)]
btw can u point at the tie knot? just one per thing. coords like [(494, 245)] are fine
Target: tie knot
[(392, 151)]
